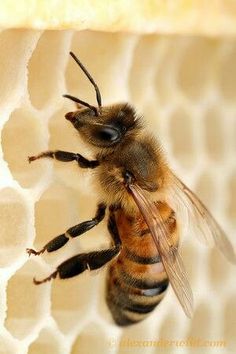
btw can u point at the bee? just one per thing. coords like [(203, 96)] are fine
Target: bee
[(144, 200)]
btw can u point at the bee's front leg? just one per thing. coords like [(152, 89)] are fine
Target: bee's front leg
[(65, 156)]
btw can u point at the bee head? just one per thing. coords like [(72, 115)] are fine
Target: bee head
[(100, 126), (105, 129)]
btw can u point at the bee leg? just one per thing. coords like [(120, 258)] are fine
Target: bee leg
[(81, 262), (73, 231), (65, 156)]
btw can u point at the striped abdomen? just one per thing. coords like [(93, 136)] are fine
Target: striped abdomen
[(137, 281)]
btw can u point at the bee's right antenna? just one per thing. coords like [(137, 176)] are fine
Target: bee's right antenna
[(98, 94)]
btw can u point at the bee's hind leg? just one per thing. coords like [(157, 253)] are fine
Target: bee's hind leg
[(51, 276), (81, 262)]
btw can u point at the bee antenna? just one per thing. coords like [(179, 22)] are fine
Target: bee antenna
[(77, 100), (98, 94)]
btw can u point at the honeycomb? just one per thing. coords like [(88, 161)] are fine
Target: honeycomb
[(186, 89)]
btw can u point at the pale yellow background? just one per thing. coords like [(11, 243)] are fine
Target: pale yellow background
[(186, 89)]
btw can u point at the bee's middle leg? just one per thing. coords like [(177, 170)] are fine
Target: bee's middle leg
[(72, 232)]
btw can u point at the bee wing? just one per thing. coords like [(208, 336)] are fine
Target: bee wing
[(206, 227), (170, 257)]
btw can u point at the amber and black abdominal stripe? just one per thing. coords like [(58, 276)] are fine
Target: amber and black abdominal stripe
[(136, 281), (142, 196)]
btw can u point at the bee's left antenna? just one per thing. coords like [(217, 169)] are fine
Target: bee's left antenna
[(77, 100), (98, 94)]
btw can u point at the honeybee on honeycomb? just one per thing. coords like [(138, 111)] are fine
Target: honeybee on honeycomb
[(142, 195)]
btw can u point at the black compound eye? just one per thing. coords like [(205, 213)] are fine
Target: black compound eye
[(109, 134)]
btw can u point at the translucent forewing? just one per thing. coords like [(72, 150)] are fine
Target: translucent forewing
[(170, 257), (206, 226)]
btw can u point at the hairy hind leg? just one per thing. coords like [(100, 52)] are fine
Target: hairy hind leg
[(81, 262)]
